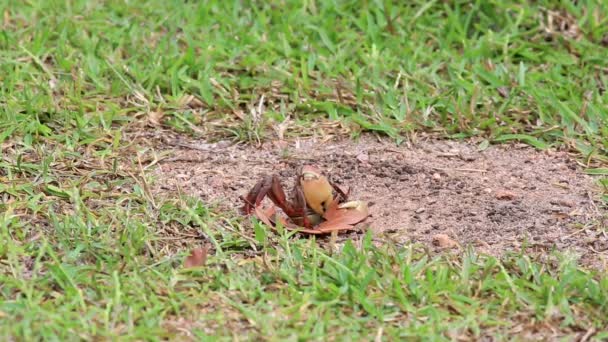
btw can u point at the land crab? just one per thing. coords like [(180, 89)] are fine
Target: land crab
[(317, 205)]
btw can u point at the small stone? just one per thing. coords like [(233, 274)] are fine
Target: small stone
[(505, 195), (563, 203), (436, 176), (420, 210), (444, 241), (363, 157)]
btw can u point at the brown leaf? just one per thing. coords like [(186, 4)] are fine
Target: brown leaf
[(351, 212), (503, 91), (239, 114), (156, 117), (281, 128), (332, 210), (265, 214), (338, 224), (7, 18), (325, 229), (197, 257), (191, 101), (344, 216)]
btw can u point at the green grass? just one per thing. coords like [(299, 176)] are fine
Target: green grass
[(88, 252)]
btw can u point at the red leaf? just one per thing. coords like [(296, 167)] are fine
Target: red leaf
[(329, 226), (346, 218), (264, 215), (197, 257), (332, 210), (328, 229), (347, 215)]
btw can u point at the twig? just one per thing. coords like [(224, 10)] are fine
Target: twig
[(182, 159), (598, 252), (595, 208), (229, 227), (572, 234), (588, 334), (145, 183), (448, 155), (214, 147), (38, 62), (463, 170)]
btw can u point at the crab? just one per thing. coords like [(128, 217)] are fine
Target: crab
[(317, 205)]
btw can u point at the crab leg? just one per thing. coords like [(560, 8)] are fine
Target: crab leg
[(300, 203), (255, 195), (271, 186), (343, 194)]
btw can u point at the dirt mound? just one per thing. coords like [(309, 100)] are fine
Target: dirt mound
[(496, 200)]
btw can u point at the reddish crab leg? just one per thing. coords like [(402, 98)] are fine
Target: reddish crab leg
[(271, 186), (255, 195), (300, 203), (340, 191)]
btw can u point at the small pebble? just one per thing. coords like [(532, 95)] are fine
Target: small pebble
[(505, 195), (444, 241)]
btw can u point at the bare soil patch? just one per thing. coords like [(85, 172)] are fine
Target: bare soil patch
[(496, 200)]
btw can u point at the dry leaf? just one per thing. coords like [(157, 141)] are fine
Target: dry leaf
[(329, 226), (197, 257), (155, 118), (191, 101), (339, 224), (281, 128), (352, 212), (503, 91), (7, 18), (264, 215), (332, 210), (239, 114), (343, 216)]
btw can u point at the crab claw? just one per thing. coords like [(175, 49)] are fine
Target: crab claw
[(358, 206), (316, 188)]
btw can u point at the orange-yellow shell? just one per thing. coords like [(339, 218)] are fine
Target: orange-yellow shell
[(317, 190)]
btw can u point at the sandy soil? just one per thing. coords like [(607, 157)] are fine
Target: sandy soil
[(496, 200)]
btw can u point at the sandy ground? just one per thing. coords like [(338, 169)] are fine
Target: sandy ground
[(496, 200)]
